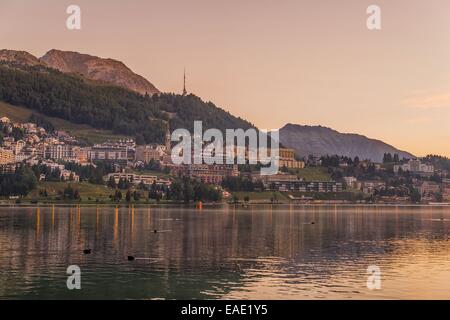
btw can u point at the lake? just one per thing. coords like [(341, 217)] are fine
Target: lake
[(223, 252)]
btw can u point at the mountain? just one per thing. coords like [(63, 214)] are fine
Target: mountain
[(319, 141), (108, 71), (71, 97), (19, 57), (99, 69)]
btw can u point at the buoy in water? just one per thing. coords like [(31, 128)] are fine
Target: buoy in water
[(87, 251), (155, 231), (131, 258)]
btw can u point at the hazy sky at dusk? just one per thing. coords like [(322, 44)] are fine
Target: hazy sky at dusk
[(272, 62)]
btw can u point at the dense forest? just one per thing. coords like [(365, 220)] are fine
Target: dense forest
[(19, 183), (73, 98)]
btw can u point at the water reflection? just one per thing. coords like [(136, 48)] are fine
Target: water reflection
[(280, 252)]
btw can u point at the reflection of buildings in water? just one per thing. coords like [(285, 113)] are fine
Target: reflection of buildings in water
[(132, 223), (53, 216), (97, 219), (220, 247), (116, 225), (38, 222)]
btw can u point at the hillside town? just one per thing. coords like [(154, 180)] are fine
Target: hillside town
[(58, 156)]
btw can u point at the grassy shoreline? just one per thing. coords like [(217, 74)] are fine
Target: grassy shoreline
[(100, 196), (215, 204)]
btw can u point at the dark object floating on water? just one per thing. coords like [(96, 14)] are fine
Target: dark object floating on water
[(161, 231), (313, 222), (131, 258), (87, 251)]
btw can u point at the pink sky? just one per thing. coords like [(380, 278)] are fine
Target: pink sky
[(272, 62)]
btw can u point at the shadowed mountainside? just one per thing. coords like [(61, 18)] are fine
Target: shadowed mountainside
[(319, 141)]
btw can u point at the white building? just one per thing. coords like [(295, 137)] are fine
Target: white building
[(62, 151), (350, 181), (415, 166), (21, 157), (19, 145), (136, 179), (67, 175)]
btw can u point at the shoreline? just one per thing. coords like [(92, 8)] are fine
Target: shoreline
[(212, 205)]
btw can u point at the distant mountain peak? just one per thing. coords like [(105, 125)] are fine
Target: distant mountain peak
[(320, 141), (105, 70), (100, 69), (19, 57)]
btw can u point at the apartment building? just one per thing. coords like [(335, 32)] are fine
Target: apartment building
[(415, 166), (6, 156), (212, 174), (287, 159), (148, 153)]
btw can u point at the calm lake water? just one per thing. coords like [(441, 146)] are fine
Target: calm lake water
[(225, 253)]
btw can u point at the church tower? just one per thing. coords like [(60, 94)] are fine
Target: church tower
[(168, 139)]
